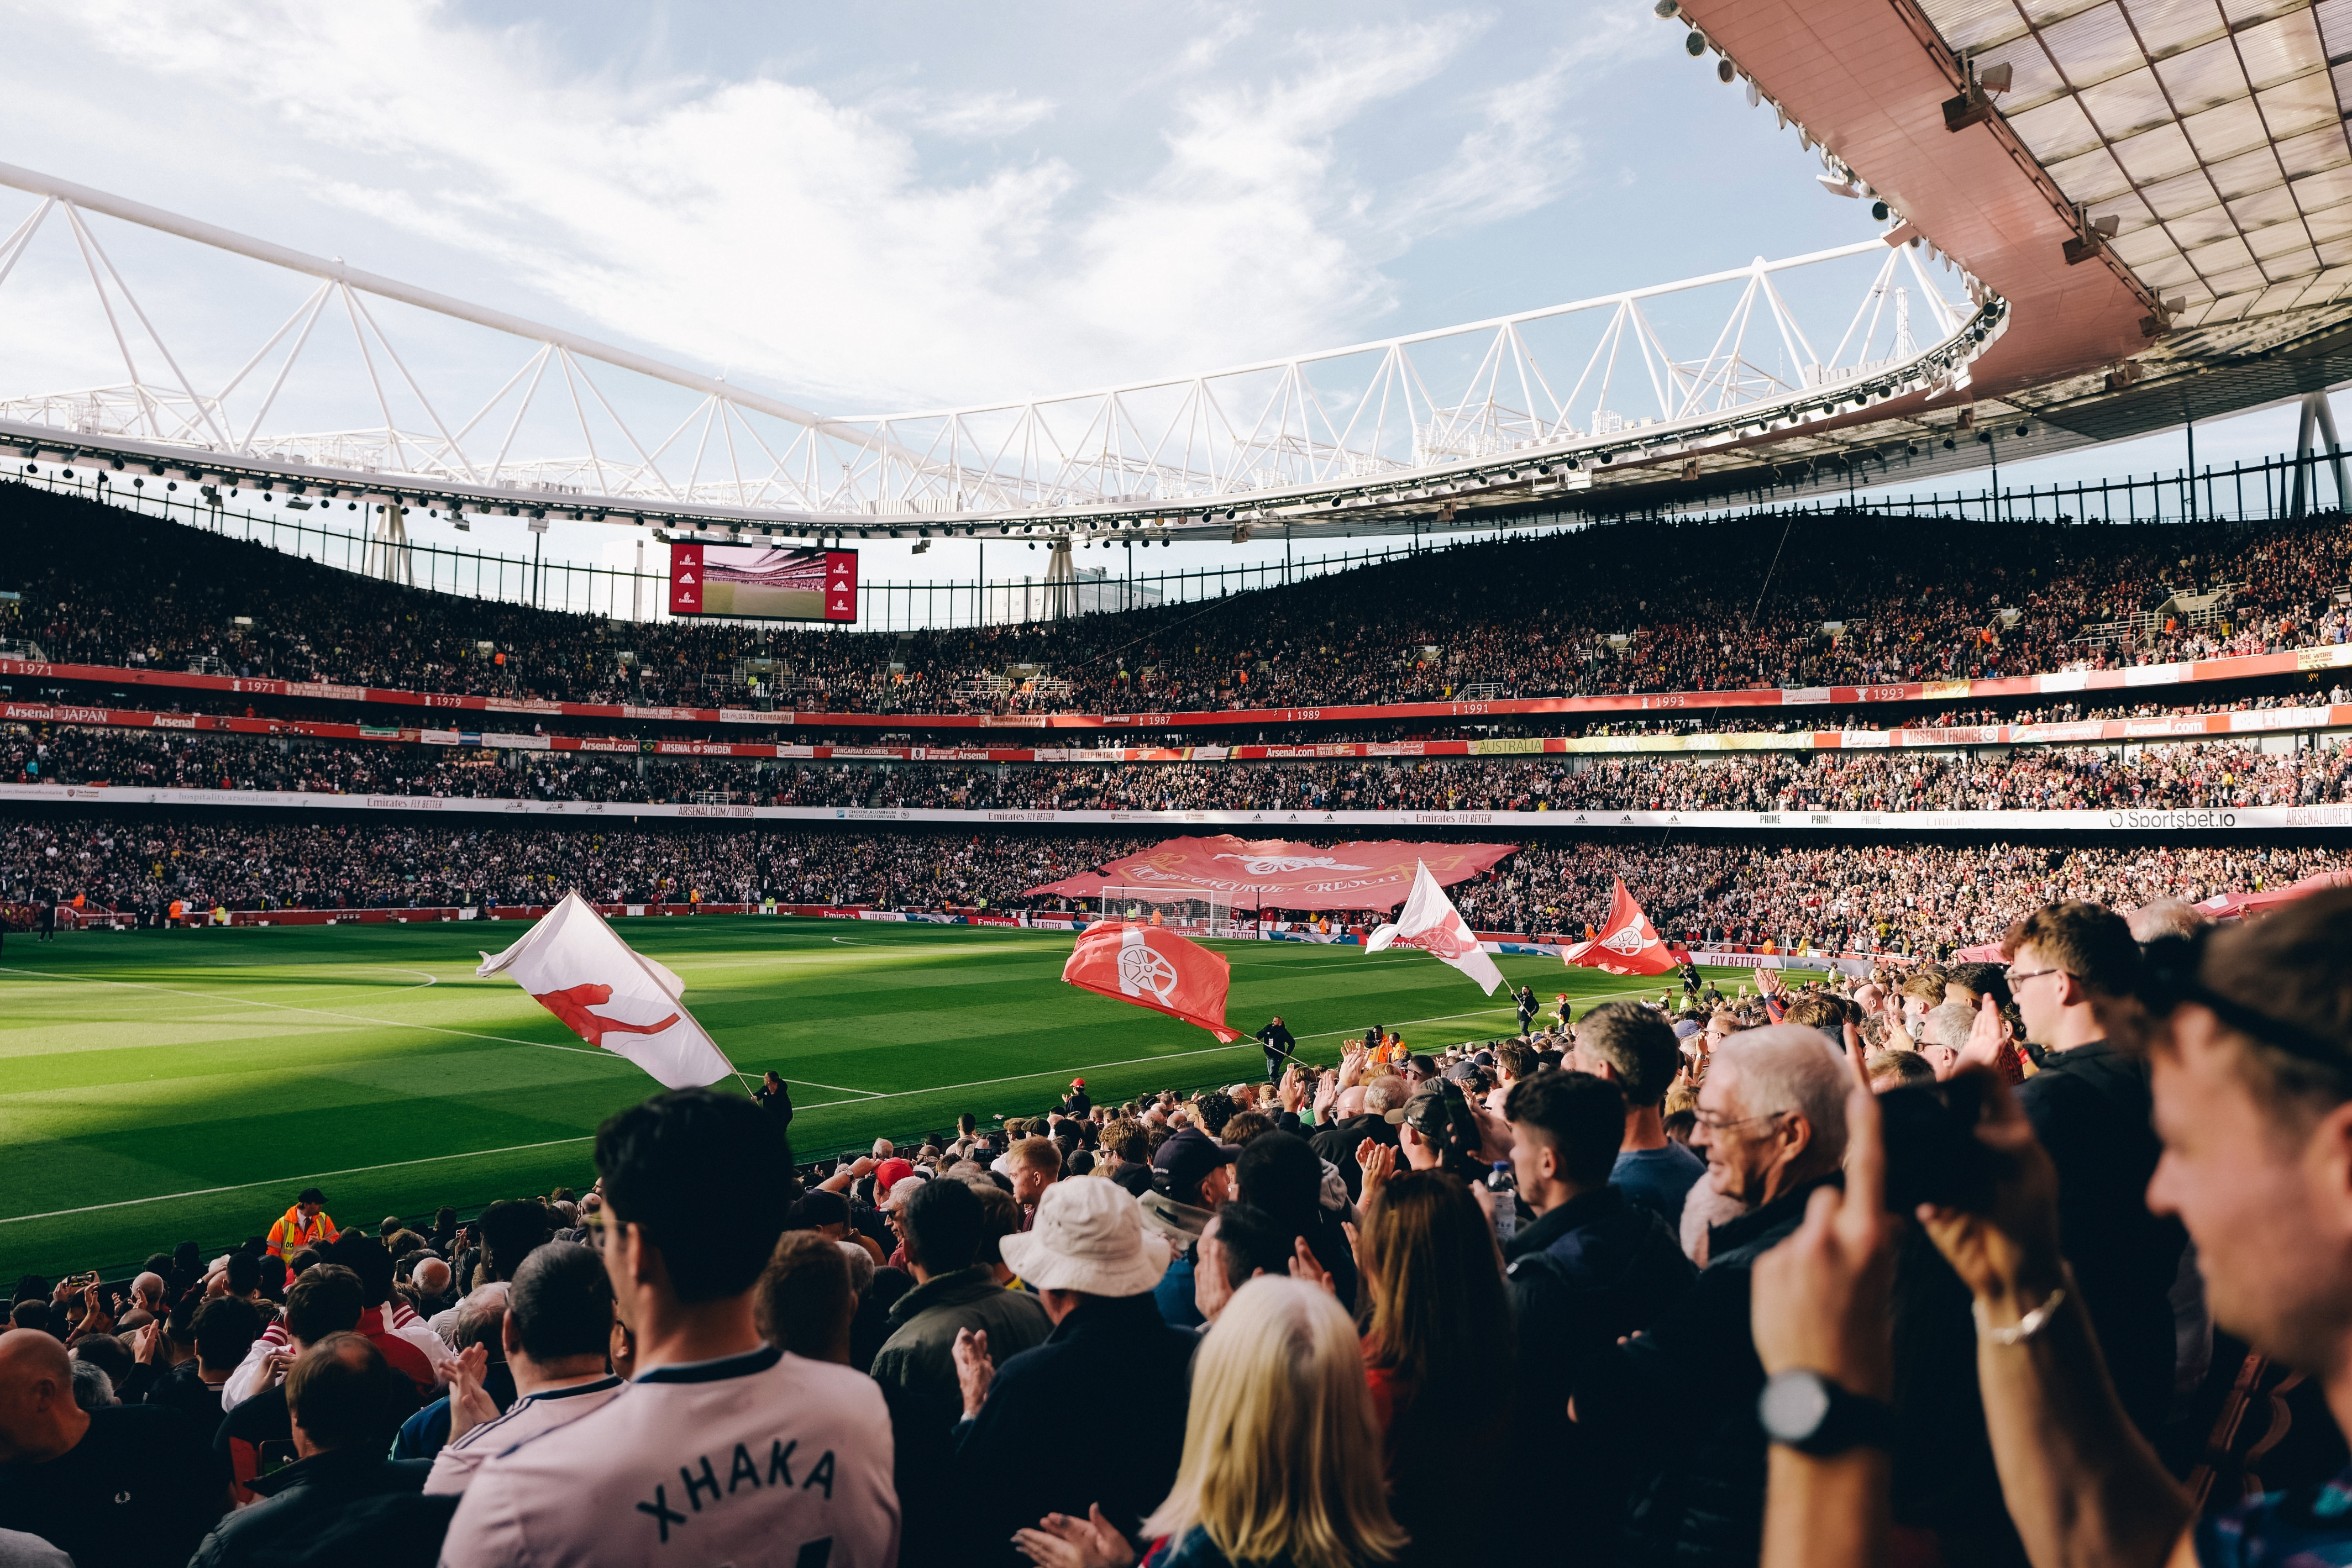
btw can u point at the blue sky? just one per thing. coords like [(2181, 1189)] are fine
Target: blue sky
[(875, 206)]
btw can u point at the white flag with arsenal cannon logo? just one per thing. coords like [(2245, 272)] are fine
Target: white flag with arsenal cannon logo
[(1431, 923), (611, 995)]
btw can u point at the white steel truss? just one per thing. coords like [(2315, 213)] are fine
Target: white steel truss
[(1476, 414)]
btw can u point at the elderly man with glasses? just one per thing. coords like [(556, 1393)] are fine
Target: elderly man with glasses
[(1678, 1402)]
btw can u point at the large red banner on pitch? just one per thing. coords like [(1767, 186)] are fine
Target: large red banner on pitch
[(1273, 873)]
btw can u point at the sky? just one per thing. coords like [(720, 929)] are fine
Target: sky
[(877, 205)]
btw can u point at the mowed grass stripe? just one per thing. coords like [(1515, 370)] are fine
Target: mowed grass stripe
[(188, 1105)]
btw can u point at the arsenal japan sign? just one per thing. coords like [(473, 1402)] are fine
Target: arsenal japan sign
[(1273, 873)]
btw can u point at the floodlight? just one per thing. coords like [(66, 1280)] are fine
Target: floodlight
[(1695, 44)]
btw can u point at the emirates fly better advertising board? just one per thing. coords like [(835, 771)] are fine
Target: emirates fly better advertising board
[(764, 581)]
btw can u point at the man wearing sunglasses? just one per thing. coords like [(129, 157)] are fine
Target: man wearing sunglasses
[(2072, 969)]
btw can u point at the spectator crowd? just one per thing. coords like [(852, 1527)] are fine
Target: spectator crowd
[(2173, 775), (1921, 898), (2026, 1262), (1850, 600)]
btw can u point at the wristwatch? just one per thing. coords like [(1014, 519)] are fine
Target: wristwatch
[(1814, 1415)]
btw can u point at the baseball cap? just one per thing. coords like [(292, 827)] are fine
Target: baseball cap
[(1187, 1156), (1077, 1083), (1425, 1112), (818, 1207), (890, 1172)]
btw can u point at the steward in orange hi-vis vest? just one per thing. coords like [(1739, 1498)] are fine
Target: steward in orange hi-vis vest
[(306, 1224)]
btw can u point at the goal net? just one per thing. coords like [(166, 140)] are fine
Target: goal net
[(1195, 912)]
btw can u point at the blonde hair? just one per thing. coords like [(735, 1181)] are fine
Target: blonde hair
[(1282, 1457)]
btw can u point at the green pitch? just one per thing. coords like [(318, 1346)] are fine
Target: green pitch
[(156, 1086)]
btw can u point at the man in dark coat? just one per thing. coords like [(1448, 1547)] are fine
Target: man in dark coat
[(337, 1394), (1093, 1268), (1678, 1401), (1278, 1043), (2072, 965)]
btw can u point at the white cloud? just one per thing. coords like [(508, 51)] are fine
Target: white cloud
[(800, 241), (983, 116)]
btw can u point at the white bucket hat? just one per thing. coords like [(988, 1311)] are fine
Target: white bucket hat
[(1088, 1236)]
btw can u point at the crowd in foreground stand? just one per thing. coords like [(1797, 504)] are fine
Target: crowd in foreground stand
[(2045, 1262), (1656, 606)]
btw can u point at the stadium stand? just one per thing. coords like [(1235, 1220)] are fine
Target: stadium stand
[(1908, 896), (1657, 606), (2154, 776)]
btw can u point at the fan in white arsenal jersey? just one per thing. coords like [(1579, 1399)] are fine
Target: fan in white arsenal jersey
[(556, 1328), (723, 1449)]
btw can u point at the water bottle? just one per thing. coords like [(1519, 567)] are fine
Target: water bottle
[(1507, 1200)]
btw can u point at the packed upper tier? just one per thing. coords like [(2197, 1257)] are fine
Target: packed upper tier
[(1843, 600)]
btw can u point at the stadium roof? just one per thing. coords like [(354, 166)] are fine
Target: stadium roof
[(2147, 206), (2214, 133)]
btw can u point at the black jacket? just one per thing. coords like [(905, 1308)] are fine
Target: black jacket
[(1022, 1458), (349, 1506), (2090, 1107), (1582, 1276), (1338, 1143), (1678, 1402)]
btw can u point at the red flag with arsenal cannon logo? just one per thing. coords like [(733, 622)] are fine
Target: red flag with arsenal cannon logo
[(1153, 968), (1628, 943)]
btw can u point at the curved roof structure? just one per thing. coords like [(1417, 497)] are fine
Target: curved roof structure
[(2105, 217)]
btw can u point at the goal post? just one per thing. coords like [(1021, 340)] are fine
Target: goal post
[(1193, 911)]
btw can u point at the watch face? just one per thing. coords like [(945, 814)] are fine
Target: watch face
[(1794, 1405)]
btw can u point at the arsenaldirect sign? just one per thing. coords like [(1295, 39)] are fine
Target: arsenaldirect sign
[(1272, 871)]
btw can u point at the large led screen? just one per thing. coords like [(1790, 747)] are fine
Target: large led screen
[(764, 581)]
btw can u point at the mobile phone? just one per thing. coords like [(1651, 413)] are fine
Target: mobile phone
[(275, 1454)]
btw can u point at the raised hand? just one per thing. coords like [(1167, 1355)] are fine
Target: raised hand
[(1377, 1162), (2013, 1248), (1211, 1288), (1303, 1265), (974, 1370), (1061, 1541), (471, 1404), (1985, 1035)]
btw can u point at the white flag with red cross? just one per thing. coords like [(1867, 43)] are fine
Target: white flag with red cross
[(611, 995), (1431, 923)]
